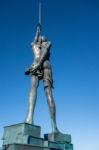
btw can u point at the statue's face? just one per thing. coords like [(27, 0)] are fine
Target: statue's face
[(43, 39)]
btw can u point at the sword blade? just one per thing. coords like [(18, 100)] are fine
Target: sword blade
[(40, 13)]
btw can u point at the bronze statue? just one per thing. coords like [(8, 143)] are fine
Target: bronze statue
[(41, 70)]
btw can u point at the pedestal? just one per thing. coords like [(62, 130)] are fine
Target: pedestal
[(23, 133), (58, 137), (25, 136), (21, 147), (58, 140)]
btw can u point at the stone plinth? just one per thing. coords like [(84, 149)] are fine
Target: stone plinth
[(25, 136), (23, 129), (54, 145), (21, 147), (58, 137), (58, 141), (23, 133), (58, 145)]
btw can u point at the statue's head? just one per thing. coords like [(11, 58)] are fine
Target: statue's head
[(43, 38)]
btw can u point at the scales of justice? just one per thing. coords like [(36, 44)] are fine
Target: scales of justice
[(26, 135)]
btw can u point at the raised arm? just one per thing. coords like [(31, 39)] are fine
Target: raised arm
[(37, 33)]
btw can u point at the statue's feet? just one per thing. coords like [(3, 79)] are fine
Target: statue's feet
[(56, 130), (29, 121)]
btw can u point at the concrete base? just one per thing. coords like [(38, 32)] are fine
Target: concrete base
[(58, 137), (58, 140), (21, 147), (54, 145), (25, 147), (57, 145), (25, 136)]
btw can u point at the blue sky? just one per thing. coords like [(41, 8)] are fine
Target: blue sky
[(73, 28)]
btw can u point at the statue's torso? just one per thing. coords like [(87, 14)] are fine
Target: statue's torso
[(37, 51), (45, 71)]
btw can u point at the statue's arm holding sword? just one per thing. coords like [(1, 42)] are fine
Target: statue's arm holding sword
[(29, 70)]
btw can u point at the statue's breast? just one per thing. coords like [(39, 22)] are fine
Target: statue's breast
[(36, 50)]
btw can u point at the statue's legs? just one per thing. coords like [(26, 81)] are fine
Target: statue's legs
[(32, 99), (51, 104)]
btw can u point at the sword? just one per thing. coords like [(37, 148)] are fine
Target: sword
[(40, 16), (39, 26)]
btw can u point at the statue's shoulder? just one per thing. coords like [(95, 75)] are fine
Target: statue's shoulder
[(49, 42), (36, 45), (46, 44)]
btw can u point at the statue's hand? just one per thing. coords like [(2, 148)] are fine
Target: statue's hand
[(39, 28), (35, 67), (27, 71), (32, 69)]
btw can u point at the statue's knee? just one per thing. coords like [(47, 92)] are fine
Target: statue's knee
[(48, 90), (34, 84), (52, 103)]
